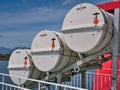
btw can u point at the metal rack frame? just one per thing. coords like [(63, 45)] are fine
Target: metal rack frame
[(83, 64), (112, 47), (114, 7)]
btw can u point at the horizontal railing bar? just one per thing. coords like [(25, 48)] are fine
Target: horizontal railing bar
[(99, 74), (14, 86)]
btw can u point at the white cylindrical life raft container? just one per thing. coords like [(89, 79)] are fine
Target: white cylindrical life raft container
[(87, 29), (21, 65), (50, 53)]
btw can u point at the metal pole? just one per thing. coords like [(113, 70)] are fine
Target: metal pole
[(3, 79), (39, 86), (115, 49), (83, 79), (59, 80)]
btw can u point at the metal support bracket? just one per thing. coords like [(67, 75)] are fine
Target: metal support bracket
[(94, 56)]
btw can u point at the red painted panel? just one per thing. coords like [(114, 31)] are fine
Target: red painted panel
[(102, 78), (110, 6)]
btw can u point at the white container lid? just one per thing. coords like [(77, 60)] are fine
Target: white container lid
[(45, 50), (84, 29), (19, 65), (50, 52)]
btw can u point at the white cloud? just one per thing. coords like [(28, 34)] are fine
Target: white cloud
[(24, 34), (66, 2), (34, 15)]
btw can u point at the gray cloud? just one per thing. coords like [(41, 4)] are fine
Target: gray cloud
[(1, 36)]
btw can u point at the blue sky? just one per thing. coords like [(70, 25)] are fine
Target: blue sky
[(21, 20)]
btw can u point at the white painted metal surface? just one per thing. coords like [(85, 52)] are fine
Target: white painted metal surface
[(87, 28), (39, 83), (20, 64), (50, 53)]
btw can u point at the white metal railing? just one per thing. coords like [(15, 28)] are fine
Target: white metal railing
[(5, 86), (94, 81)]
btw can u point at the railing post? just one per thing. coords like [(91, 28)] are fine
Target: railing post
[(59, 78), (38, 85), (19, 83), (90, 81), (83, 79), (6, 87), (56, 88), (65, 88), (3, 80), (10, 88)]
